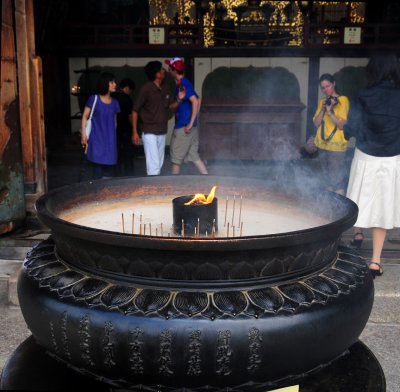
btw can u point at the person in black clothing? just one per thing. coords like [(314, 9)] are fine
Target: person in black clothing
[(374, 183), (124, 127)]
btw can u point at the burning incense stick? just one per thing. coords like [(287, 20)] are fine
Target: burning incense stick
[(123, 223), (133, 223), (150, 228), (198, 226), (195, 232), (141, 226), (233, 209), (240, 211), (227, 231), (183, 228), (144, 229), (213, 228), (226, 210)]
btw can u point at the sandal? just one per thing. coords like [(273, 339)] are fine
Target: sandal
[(357, 242), (375, 272)]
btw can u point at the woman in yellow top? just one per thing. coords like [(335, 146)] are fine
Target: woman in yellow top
[(330, 117)]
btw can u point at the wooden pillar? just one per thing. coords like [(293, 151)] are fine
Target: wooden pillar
[(12, 206), (313, 88), (31, 104)]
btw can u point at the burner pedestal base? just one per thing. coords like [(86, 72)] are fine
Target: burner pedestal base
[(30, 368)]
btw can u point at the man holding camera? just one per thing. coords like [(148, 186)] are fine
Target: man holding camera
[(329, 119)]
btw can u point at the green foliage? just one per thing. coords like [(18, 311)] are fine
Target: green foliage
[(253, 85)]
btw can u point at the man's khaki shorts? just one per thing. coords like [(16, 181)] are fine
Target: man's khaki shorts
[(184, 147)]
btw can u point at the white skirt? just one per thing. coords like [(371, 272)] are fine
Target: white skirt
[(374, 185)]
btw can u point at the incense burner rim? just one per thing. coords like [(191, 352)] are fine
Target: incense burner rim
[(48, 205)]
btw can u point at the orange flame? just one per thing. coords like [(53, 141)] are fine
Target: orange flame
[(199, 198)]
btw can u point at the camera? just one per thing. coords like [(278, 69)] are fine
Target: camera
[(331, 99)]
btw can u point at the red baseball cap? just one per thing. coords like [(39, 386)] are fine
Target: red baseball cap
[(176, 63)]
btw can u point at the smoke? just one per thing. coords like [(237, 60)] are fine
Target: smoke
[(297, 177), (250, 124)]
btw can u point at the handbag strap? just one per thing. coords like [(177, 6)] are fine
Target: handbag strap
[(94, 105)]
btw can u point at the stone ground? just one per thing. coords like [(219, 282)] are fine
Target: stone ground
[(381, 335)]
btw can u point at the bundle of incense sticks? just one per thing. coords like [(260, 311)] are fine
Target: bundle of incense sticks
[(231, 227), (232, 224)]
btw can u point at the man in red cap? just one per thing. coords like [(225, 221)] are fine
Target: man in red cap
[(185, 138), (176, 63)]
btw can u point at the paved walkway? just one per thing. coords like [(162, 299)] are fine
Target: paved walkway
[(382, 333)]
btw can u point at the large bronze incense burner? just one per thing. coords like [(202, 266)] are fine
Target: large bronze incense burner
[(247, 311)]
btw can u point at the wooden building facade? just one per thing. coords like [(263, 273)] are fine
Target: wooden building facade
[(41, 38)]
